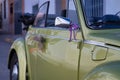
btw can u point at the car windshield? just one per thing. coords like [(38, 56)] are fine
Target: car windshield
[(102, 14)]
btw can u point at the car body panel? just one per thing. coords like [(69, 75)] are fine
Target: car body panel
[(19, 47), (89, 66), (106, 71), (54, 53)]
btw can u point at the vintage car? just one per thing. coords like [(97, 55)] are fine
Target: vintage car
[(80, 41)]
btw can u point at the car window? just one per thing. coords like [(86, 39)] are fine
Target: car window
[(50, 10), (41, 16)]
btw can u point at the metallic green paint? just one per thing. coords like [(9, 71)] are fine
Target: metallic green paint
[(59, 56), (19, 47), (106, 71), (50, 56)]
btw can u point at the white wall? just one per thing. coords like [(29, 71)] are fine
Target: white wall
[(30, 3), (34, 2), (28, 6), (51, 7), (111, 6)]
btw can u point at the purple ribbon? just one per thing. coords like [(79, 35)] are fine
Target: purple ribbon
[(72, 29)]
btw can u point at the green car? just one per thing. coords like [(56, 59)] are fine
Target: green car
[(76, 40)]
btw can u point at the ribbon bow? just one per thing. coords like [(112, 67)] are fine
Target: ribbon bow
[(72, 29)]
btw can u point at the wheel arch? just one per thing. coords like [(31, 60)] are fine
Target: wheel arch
[(12, 53), (18, 49)]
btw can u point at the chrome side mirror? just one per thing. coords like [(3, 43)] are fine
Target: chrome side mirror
[(62, 22)]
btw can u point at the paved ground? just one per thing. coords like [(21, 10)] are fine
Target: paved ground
[(5, 43)]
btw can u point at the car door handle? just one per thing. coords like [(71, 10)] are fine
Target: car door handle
[(99, 53)]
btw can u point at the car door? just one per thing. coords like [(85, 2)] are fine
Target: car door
[(57, 56), (32, 40)]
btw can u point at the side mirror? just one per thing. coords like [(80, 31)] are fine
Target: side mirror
[(62, 22)]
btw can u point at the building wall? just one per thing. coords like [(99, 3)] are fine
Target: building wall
[(5, 21), (53, 7), (6, 26), (17, 14), (13, 9), (10, 23), (28, 8), (0, 15), (11, 16)]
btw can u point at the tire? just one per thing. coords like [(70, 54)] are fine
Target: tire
[(14, 68)]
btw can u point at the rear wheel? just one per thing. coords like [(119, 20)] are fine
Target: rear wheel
[(14, 68)]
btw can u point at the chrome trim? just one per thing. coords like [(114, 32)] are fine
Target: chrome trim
[(95, 43), (100, 44), (67, 39)]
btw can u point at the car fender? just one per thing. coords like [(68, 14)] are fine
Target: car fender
[(18, 48), (106, 71)]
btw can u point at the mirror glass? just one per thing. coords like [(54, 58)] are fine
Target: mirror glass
[(62, 22)]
